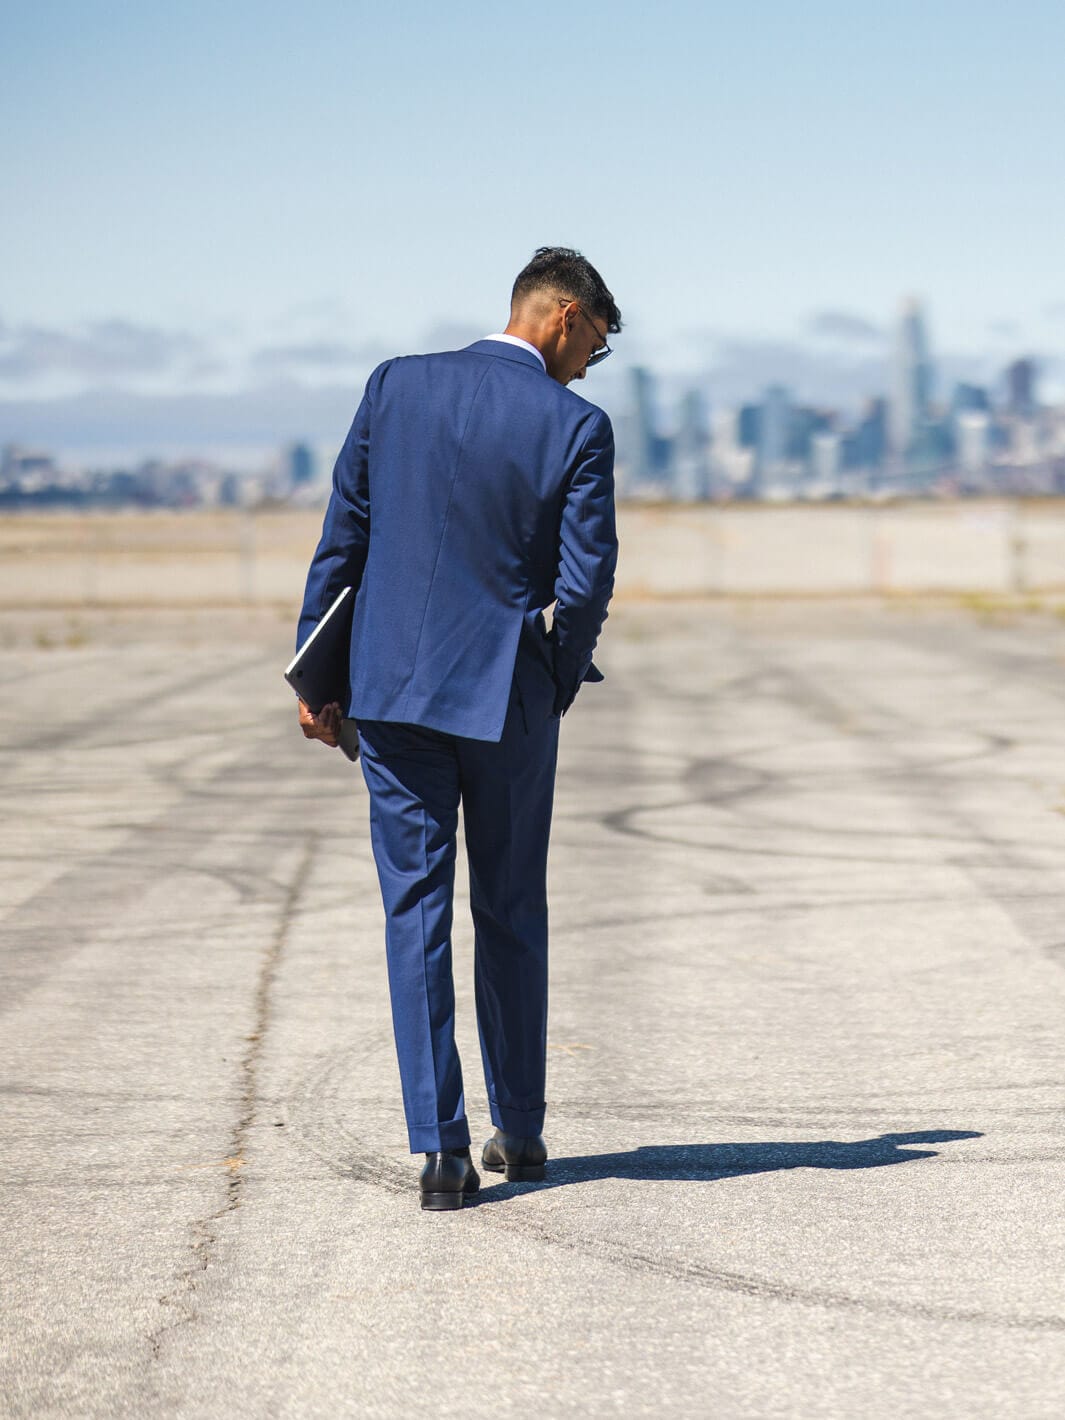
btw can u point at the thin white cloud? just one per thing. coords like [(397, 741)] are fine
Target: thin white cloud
[(105, 417), (313, 355), (96, 350), (844, 325)]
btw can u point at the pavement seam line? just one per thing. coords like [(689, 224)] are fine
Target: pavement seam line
[(204, 1231)]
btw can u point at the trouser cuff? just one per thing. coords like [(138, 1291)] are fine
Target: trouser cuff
[(526, 1123), (430, 1138)]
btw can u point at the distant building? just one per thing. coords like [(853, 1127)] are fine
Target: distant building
[(691, 453), (649, 453), (825, 461), (973, 440), (773, 431), (18, 465), (299, 463), (871, 436), (643, 425), (748, 425), (773, 434), (968, 397), (1020, 387), (911, 382), (803, 425), (731, 459)]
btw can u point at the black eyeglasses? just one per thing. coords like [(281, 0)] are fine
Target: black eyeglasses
[(604, 350)]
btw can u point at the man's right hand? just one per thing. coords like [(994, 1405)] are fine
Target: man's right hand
[(324, 726)]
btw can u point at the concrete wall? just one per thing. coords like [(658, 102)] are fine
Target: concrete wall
[(157, 559), (972, 546)]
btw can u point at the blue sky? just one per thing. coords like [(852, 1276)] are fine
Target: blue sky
[(210, 202)]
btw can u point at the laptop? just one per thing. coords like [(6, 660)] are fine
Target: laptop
[(319, 671)]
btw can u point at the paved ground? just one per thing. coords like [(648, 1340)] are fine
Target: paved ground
[(805, 1091)]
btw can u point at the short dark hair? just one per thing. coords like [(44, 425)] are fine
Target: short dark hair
[(566, 272)]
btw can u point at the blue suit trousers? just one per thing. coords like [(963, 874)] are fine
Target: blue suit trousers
[(417, 778)]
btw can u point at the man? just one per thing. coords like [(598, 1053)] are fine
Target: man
[(473, 490)]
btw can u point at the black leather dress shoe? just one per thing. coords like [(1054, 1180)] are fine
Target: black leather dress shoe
[(521, 1159), (448, 1179)]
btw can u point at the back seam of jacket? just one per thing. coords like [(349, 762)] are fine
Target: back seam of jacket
[(443, 532)]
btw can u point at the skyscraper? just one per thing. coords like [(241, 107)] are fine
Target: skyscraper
[(911, 380), (968, 396), (300, 464), (870, 439), (643, 430), (691, 478), (973, 440), (773, 432), (1020, 382), (651, 452), (825, 460)]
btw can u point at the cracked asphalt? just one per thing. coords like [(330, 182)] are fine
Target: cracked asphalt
[(806, 1048)]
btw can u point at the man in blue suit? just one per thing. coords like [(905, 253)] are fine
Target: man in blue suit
[(474, 490)]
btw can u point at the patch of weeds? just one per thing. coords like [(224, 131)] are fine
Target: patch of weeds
[(636, 631), (989, 609), (76, 635)]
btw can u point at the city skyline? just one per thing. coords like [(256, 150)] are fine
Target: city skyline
[(912, 438), (920, 434)]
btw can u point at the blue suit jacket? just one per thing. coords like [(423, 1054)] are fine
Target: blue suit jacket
[(472, 491)]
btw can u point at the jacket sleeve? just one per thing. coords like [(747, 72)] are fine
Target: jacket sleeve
[(588, 551), (340, 556)]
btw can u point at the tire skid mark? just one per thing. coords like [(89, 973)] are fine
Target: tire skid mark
[(327, 1136), (90, 895), (936, 807), (776, 680), (796, 905), (130, 708), (324, 1133)]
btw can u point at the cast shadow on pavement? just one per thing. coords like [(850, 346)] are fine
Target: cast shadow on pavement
[(706, 1162)]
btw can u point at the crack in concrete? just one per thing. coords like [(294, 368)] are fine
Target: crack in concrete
[(204, 1232)]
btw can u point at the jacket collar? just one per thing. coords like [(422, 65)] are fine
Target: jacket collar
[(506, 351)]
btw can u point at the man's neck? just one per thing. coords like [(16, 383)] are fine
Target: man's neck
[(531, 334)]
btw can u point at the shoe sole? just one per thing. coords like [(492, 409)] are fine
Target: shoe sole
[(444, 1202), (517, 1173)]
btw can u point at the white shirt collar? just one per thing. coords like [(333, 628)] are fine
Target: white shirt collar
[(524, 345)]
